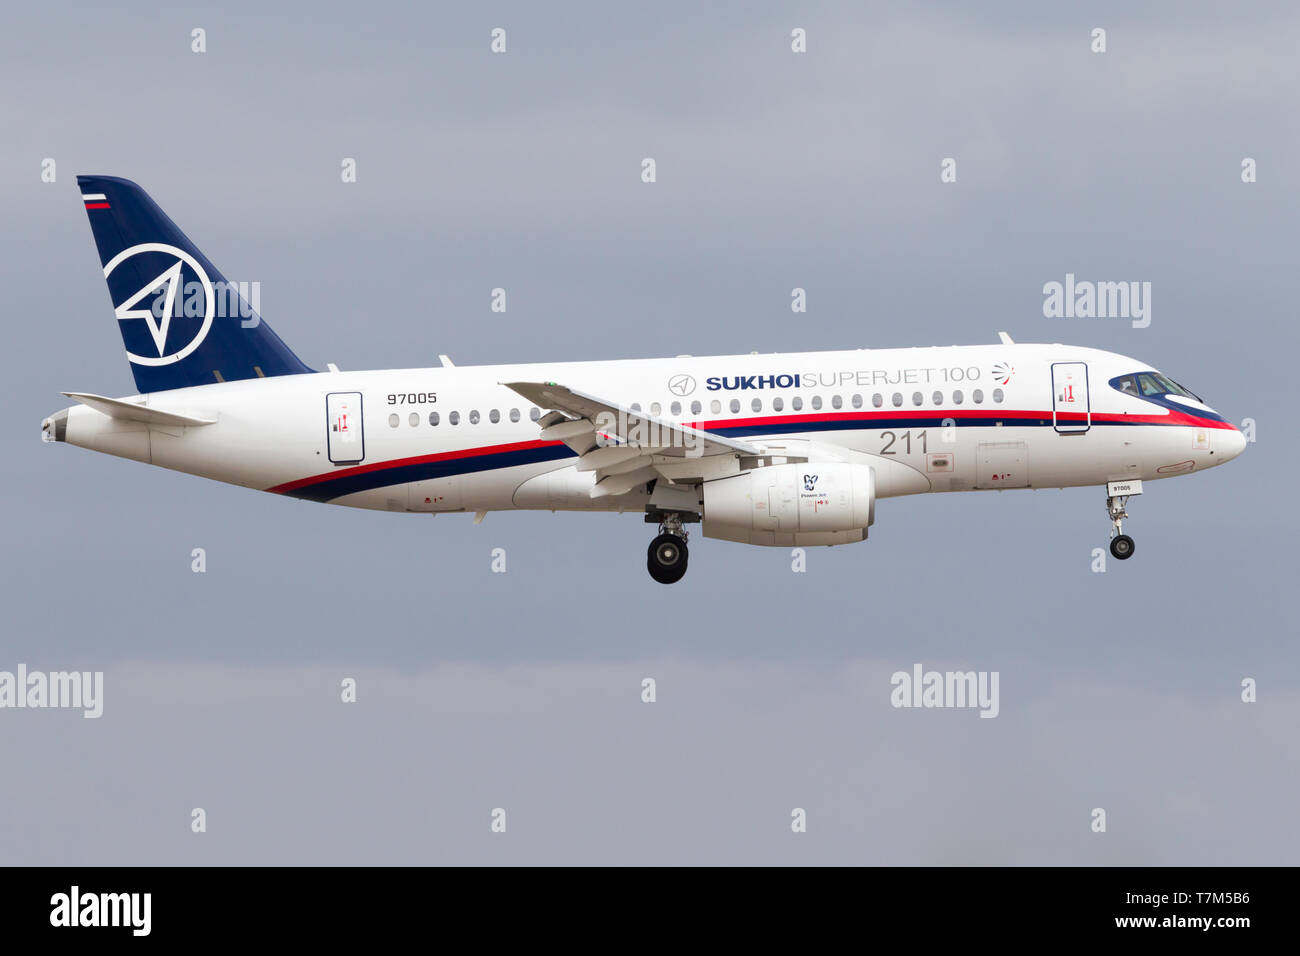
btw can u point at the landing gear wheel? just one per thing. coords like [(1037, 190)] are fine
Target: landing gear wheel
[(666, 558), (1121, 546)]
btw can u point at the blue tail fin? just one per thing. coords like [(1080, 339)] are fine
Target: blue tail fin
[(182, 323)]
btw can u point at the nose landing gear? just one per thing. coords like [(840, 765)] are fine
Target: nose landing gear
[(1121, 545), (1117, 496), (667, 555)]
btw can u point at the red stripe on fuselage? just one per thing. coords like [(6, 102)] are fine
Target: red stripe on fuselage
[(1173, 418)]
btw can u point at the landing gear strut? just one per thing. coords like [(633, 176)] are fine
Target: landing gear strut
[(667, 555), (1121, 545)]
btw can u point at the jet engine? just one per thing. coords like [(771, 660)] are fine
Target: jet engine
[(792, 505)]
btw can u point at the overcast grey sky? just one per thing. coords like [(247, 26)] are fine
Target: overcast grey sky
[(522, 690)]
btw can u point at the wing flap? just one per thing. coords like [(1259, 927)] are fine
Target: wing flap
[(621, 484), (610, 459)]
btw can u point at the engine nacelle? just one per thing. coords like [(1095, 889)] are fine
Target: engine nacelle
[(792, 505)]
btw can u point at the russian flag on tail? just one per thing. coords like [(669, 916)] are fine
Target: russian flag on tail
[(95, 200)]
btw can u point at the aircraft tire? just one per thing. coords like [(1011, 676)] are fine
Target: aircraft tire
[(1121, 547), (666, 558)]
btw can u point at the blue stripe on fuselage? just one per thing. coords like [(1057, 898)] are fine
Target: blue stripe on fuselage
[(331, 488)]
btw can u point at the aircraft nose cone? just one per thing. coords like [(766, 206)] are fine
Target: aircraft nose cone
[(1233, 444)]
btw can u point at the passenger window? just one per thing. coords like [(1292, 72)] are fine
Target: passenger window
[(957, 397), (816, 403), (715, 407), (514, 414), (756, 404), (857, 401), (735, 406), (938, 398), (897, 399), (414, 419), (837, 402), (877, 400), (917, 398), (636, 406), (977, 397), (534, 413), (473, 417), (454, 418), (796, 403), (433, 418), (997, 395), (655, 408), (696, 408), (393, 420), (777, 404), (494, 416)]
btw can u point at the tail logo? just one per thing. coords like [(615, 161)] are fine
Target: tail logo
[(171, 279)]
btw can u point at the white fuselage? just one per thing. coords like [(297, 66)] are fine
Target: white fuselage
[(927, 419)]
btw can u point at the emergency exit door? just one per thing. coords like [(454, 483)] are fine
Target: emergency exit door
[(1071, 413), (347, 441)]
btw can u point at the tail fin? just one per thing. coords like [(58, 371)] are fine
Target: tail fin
[(182, 322)]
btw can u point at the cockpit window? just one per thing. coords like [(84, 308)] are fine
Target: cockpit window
[(1170, 387), (1151, 383), (1127, 384)]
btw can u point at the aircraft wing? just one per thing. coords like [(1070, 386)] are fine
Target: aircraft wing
[(621, 445)]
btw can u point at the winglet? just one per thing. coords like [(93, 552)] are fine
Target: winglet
[(1005, 339)]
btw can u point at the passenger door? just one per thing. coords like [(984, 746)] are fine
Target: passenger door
[(344, 430), (1071, 411)]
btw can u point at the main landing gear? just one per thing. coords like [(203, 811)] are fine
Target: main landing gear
[(1121, 545), (667, 555)]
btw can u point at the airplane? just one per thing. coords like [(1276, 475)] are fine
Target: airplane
[(776, 449)]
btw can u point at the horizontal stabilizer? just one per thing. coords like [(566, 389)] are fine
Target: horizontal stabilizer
[(131, 412)]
